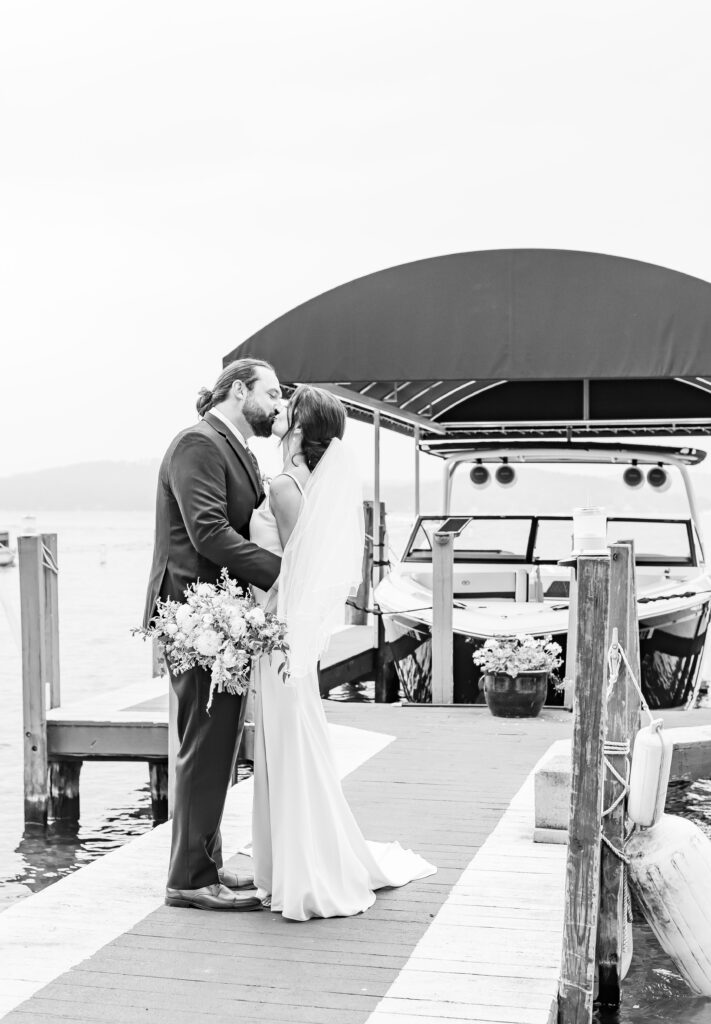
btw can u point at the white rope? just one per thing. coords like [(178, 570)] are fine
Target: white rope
[(615, 656), (571, 984), (618, 853), (48, 560), (614, 748)]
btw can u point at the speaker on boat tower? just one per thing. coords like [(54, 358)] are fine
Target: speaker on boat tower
[(633, 476), (480, 475), (506, 475), (658, 478)]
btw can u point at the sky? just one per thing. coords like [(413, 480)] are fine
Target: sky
[(175, 175)]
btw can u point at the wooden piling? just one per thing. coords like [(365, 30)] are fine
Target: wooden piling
[(582, 885), (572, 643), (386, 680), (159, 667), (50, 631), (63, 802), (173, 745), (623, 711), (159, 790), (34, 712), (442, 609), (356, 615), (387, 684)]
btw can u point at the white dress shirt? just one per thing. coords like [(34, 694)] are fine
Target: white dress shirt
[(233, 428)]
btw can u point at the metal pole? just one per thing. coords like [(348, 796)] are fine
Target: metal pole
[(442, 608), (417, 470), (692, 505), (450, 468), (377, 549), (377, 552)]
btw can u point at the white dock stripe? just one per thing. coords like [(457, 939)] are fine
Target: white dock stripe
[(492, 953)]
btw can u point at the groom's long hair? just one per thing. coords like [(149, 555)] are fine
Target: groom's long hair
[(241, 369)]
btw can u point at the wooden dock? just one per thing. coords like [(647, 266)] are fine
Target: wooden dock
[(132, 723), (478, 941)]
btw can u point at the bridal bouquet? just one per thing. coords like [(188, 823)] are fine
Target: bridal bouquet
[(221, 628)]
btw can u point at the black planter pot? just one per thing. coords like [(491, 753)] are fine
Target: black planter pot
[(520, 696)]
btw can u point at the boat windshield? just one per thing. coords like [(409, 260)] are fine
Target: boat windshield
[(549, 539)]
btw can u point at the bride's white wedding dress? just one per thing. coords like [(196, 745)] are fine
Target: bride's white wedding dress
[(310, 857)]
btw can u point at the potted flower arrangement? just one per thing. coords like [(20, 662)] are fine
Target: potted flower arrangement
[(515, 673)]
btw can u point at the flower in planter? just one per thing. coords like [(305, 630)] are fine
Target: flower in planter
[(518, 654)]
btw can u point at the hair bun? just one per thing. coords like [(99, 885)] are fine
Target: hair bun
[(204, 401)]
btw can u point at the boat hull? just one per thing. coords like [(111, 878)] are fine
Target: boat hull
[(671, 652)]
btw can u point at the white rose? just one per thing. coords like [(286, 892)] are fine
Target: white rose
[(171, 629), (237, 625), (207, 619), (185, 618), (256, 616), (207, 643), (204, 590)]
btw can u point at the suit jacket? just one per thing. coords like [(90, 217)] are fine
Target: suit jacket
[(207, 491)]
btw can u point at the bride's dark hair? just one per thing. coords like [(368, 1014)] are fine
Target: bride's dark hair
[(321, 417)]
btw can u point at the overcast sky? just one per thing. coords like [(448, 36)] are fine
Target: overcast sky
[(174, 175)]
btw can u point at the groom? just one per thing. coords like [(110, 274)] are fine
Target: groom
[(208, 487)]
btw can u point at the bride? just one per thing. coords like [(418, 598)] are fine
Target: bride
[(310, 858)]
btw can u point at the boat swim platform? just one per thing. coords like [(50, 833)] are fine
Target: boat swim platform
[(132, 723), (478, 941)]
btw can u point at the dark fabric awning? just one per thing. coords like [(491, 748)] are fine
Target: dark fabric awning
[(531, 342)]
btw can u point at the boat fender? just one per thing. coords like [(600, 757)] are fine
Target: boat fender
[(649, 775), (670, 874)]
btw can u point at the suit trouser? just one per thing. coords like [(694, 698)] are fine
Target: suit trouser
[(204, 765)]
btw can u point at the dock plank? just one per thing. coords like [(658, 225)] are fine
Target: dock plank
[(476, 941)]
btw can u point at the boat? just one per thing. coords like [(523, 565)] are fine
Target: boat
[(510, 576), (7, 554)]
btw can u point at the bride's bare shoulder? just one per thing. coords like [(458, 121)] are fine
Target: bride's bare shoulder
[(285, 499), (285, 490)]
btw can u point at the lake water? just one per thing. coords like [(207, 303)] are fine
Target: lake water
[(104, 559)]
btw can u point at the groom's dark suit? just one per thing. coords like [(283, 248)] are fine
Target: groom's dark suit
[(208, 488)]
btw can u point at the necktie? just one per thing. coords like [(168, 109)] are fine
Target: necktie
[(255, 466)]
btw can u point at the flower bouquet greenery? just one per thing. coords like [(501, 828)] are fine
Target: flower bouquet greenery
[(221, 628)]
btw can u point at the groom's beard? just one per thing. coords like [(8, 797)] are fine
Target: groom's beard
[(260, 421)]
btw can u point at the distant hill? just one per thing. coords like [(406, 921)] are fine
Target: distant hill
[(120, 486)]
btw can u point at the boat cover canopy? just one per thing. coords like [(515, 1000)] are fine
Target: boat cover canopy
[(509, 343)]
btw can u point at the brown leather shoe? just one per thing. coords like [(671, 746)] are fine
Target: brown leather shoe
[(233, 880), (211, 897)]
